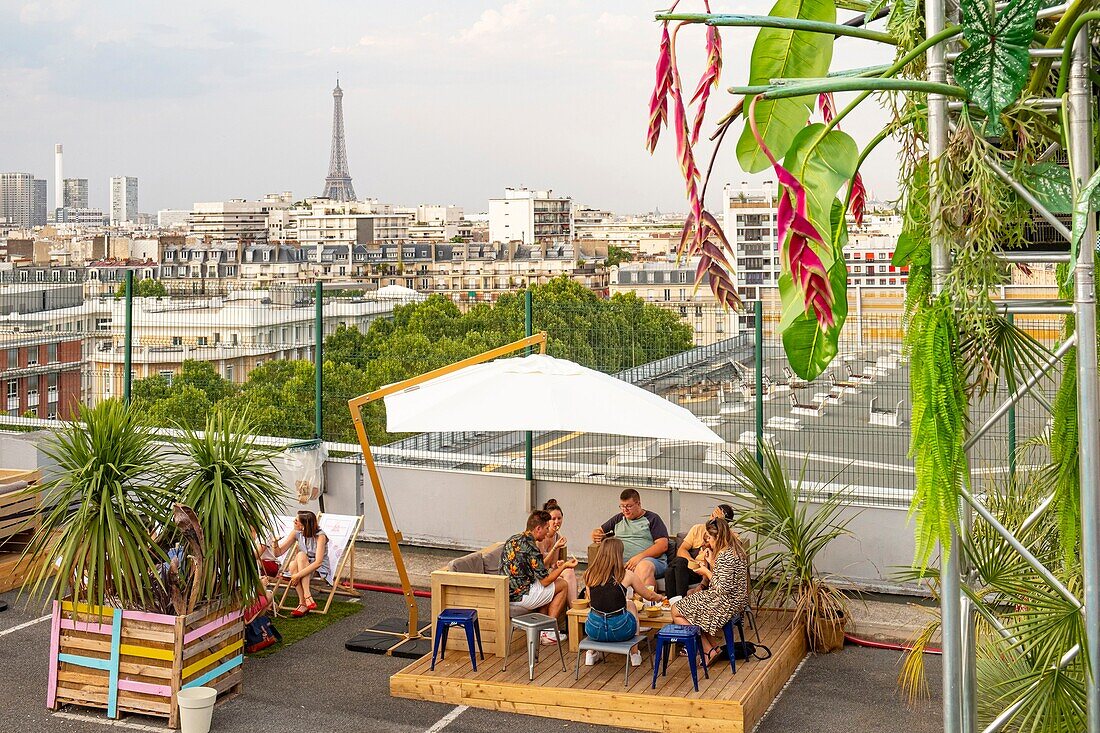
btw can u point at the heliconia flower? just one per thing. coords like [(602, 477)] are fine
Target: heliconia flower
[(799, 256), (658, 102), (827, 104), (858, 199), (708, 81), (685, 155)]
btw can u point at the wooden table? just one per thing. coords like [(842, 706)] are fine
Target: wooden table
[(577, 616)]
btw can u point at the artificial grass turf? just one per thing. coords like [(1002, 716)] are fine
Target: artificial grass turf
[(296, 629)]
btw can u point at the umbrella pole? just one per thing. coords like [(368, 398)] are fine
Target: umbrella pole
[(356, 405), (392, 534)]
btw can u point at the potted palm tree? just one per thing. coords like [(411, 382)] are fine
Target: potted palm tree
[(153, 546), (789, 536)]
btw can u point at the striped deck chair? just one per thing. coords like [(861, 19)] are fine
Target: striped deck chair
[(341, 530)]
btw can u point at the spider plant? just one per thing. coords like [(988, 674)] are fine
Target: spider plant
[(103, 504), (227, 477), (790, 536)]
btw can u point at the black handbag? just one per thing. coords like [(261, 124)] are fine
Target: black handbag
[(746, 650)]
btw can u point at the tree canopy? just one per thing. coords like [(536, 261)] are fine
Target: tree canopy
[(144, 288), (605, 334)]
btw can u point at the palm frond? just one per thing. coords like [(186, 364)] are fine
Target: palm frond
[(103, 505), (228, 479)]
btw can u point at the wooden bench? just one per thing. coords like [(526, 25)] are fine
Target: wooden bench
[(18, 521), (18, 509), (474, 581)]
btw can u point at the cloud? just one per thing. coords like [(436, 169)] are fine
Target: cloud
[(510, 17), (48, 11)]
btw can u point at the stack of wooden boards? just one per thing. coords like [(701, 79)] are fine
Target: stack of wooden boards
[(18, 522)]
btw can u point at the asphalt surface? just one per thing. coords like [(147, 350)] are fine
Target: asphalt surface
[(315, 685)]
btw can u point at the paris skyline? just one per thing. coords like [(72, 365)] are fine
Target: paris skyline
[(444, 102)]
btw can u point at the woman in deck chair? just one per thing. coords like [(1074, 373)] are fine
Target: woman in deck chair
[(311, 557)]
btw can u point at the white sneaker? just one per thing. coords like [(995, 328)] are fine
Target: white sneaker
[(593, 657), (635, 659), (547, 638)]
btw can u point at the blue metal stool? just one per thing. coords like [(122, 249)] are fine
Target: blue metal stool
[(727, 631), (692, 639), (467, 619)]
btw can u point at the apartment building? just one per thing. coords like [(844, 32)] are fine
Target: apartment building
[(235, 333), (17, 201), (671, 285), (530, 217), (233, 220), (124, 200), (41, 357)]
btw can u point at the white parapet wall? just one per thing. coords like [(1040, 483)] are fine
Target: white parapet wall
[(469, 509)]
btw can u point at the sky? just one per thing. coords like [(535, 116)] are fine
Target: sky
[(444, 102)]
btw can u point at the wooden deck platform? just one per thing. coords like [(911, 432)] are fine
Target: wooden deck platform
[(726, 702)]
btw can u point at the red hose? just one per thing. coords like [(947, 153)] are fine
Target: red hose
[(887, 645), (389, 589)]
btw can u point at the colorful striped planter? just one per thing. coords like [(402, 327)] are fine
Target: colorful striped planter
[(132, 661)]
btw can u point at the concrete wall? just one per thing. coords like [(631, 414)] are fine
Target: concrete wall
[(467, 510)]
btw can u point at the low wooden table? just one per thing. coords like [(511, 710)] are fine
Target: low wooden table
[(577, 616)]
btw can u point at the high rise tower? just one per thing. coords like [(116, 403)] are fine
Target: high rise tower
[(338, 183), (58, 177)]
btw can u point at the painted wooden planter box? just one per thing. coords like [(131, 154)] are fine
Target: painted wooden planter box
[(132, 661)]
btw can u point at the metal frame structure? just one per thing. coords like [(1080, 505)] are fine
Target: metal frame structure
[(957, 613), (356, 405)]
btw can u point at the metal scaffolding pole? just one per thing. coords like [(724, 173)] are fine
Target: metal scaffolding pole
[(1088, 389), (951, 600)]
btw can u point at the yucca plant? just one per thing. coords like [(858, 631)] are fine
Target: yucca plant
[(103, 506), (789, 538), (228, 479)]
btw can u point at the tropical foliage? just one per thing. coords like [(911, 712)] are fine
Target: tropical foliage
[(128, 523), (1002, 129), (104, 505), (1027, 625), (790, 534), (229, 481)]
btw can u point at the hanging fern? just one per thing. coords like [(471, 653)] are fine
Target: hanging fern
[(1064, 458), (1062, 475), (938, 425)]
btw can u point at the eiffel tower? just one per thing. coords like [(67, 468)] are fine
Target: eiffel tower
[(338, 182)]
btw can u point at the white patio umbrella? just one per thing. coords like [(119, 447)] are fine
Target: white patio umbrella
[(540, 392)]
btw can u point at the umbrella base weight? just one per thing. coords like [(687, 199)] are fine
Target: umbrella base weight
[(386, 638)]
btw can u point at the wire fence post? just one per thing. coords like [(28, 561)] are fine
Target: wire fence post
[(318, 359), (128, 340), (1011, 417), (528, 330), (758, 360)]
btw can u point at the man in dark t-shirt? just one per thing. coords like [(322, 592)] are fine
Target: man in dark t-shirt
[(644, 537)]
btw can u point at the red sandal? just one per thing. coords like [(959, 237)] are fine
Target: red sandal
[(299, 611)]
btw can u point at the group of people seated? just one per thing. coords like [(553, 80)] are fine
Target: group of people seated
[(706, 581)]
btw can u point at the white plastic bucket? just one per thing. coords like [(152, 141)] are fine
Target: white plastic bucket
[(196, 708)]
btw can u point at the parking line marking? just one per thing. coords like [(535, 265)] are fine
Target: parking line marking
[(447, 719), (22, 626)]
